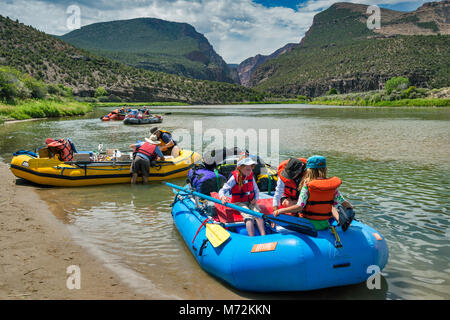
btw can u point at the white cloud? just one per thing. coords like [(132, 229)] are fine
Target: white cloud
[(237, 29)]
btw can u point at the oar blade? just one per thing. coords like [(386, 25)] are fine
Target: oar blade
[(216, 234)]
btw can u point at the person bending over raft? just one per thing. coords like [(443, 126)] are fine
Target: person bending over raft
[(166, 144), (318, 194), (245, 193), (144, 153), (290, 173)]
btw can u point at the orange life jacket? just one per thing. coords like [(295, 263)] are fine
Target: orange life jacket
[(63, 148), (147, 149), (320, 200), (244, 193), (290, 186)]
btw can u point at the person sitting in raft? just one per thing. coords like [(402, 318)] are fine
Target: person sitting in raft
[(318, 194), (290, 173), (245, 193), (167, 145), (144, 153)]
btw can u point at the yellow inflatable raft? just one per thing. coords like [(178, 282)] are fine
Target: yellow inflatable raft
[(52, 172)]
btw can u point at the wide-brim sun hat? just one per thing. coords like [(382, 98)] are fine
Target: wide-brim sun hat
[(153, 130), (293, 168), (246, 162), (316, 162)]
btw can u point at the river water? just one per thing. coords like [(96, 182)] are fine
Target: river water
[(394, 163)]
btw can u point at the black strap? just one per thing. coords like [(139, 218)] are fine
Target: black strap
[(242, 193), (309, 213), (312, 203)]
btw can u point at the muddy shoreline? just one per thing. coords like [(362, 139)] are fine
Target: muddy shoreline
[(36, 249)]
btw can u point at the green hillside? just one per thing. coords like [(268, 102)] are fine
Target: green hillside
[(340, 52), (54, 61), (153, 44)]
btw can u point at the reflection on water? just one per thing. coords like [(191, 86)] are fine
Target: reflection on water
[(393, 163)]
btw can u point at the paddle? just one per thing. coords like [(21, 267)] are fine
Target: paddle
[(292, 223), (216, 234)]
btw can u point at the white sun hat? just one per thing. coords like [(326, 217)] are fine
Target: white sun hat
[(152, 140), (246, 162)]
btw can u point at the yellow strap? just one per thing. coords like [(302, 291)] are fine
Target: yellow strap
[(338, 240)]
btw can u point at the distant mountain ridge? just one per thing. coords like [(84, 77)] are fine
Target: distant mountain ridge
[(340, 51), (246, 67), (156, 45), (51, 60)]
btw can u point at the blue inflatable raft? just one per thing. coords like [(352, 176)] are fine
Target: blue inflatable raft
[(282, 260)]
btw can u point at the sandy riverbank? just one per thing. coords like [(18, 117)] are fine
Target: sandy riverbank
[(36, 249)]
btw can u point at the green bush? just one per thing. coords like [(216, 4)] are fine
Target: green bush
[(332, 91), (396, 83), (100, 92)]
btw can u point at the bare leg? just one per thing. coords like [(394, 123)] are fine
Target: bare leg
[(250, 228), (145, 179), (133, 178), (260, 224)]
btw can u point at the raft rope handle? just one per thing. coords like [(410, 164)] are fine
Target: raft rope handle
[(337, 242), (204, 222), (64, 168)]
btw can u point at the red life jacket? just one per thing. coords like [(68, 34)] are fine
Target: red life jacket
[(63, 147), (147, 149), (320, 200), (290, 186), (244, 193)]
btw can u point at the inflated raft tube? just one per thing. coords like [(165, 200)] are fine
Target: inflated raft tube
[(53, 172), (282, 260), (142, 121)]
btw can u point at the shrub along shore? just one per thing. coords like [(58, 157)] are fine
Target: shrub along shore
[(23, 97), (28, 109), (397, 93)]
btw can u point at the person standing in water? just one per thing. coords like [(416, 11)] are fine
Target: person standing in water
[(144, 153)]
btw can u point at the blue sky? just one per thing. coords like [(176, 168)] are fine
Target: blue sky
[(237, 29)]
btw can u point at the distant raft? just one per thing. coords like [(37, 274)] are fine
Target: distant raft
[(53, 172), (155, 119), (114, 115)]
